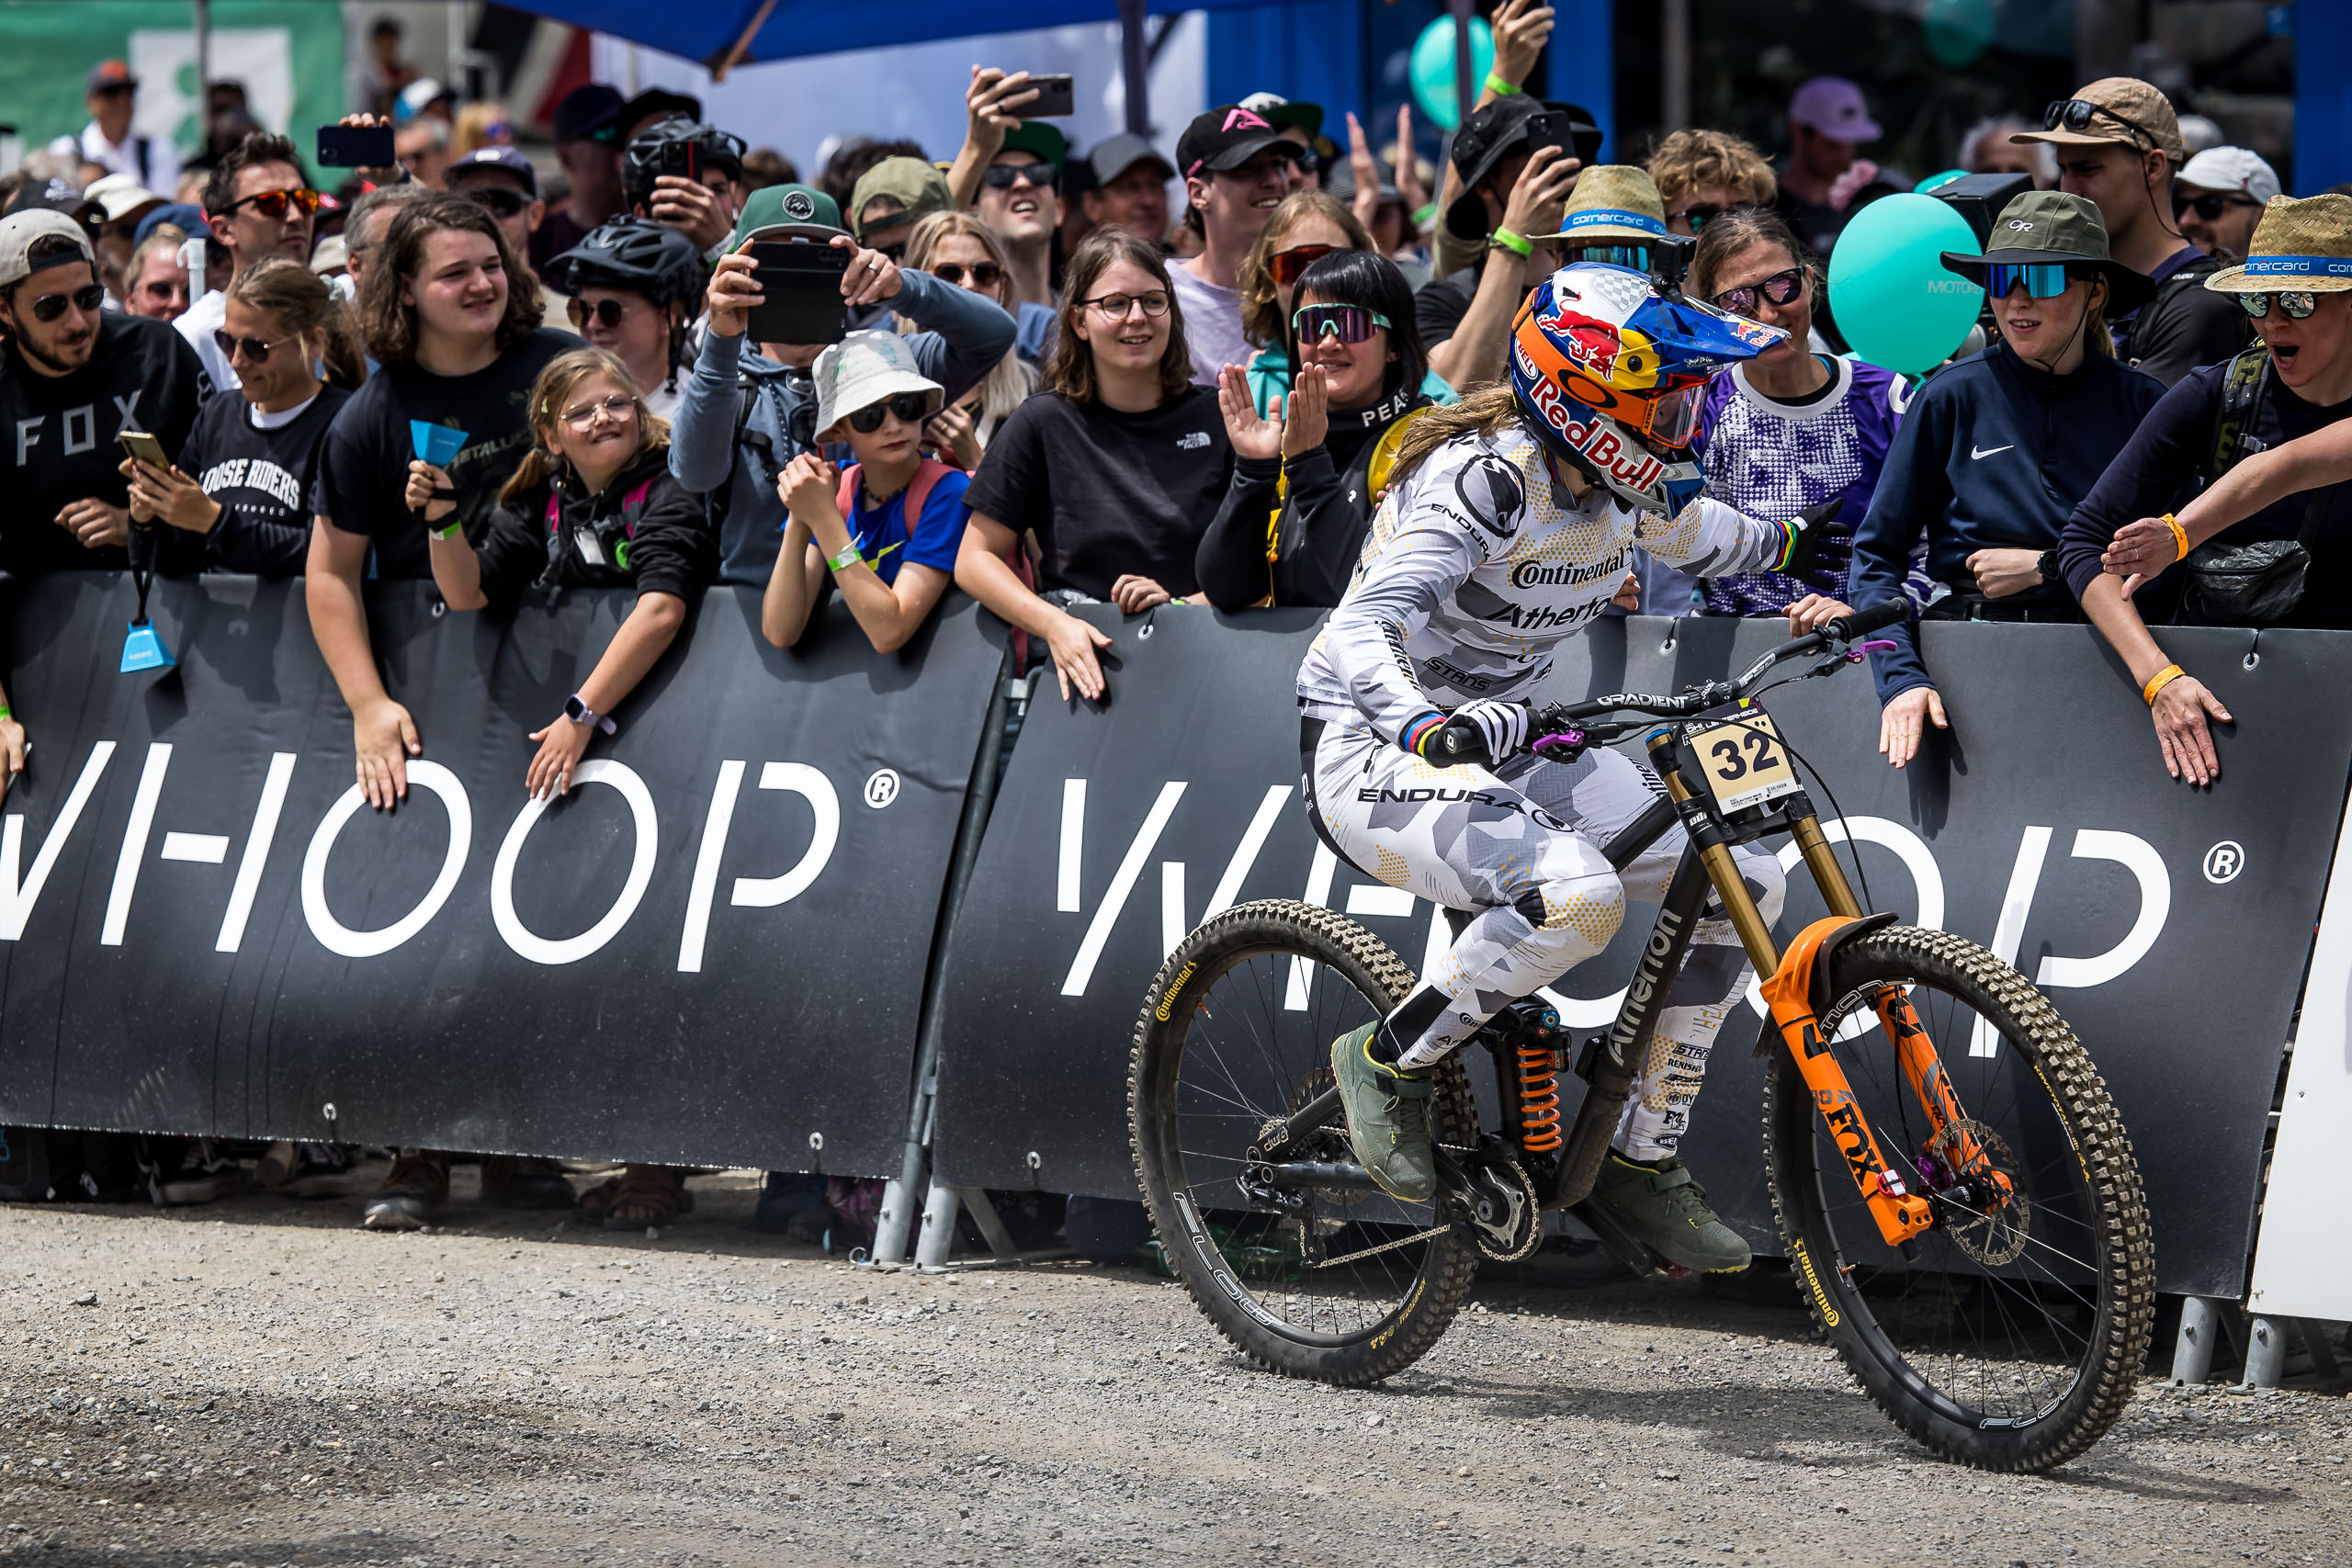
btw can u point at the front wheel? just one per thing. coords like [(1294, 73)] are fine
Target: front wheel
[(1352, 1286), (2010, 1341)]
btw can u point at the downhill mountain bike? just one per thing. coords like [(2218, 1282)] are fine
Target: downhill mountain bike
[(1955, 1194)]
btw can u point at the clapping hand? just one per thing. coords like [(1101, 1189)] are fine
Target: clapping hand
[(1305, 412), (1366, 170), (1252, 434)]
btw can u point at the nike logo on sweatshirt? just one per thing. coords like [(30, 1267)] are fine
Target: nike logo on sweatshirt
[(1981, 452)]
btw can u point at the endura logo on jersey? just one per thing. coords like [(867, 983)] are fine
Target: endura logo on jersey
[(1490, 493)]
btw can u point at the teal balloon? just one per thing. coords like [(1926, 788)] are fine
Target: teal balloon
[(1433, 68), (1935, 182), (1957, 30), (1895, 302)]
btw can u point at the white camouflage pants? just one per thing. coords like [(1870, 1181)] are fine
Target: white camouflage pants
[(1520, 845)]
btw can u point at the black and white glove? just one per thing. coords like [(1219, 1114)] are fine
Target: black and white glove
[(1483, 731), (1806, 533)]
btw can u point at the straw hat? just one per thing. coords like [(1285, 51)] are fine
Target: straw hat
[(1613, 201), (2048, 228), (2299, 246)]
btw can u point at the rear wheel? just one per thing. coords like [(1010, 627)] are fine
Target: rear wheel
[(1237, 1032), (2009, 1335)]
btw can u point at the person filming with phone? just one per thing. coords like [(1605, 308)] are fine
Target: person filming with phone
[(745, 416)]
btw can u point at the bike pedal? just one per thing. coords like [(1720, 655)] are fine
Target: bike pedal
[(1621, 1243)]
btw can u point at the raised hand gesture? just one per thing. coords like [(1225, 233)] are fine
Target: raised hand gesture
[(1252, 435)]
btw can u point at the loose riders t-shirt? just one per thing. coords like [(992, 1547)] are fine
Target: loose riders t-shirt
[(1108, 494), (261, 469), (363, 475)]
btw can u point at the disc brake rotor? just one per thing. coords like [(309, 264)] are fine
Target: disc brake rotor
[(1986, 1211)]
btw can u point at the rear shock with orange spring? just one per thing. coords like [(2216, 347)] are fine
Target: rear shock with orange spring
[(1539, 1092)]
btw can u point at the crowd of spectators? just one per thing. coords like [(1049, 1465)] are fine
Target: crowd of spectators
[(1051, 387)]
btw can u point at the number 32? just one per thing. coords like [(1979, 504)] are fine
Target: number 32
[(1760, 756)]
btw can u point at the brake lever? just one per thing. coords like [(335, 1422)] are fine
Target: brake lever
[(1876, 645)]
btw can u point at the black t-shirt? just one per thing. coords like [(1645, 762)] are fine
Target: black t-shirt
[(1440, 306), (363, 473), (262, 479), (60, 433), (557, 233), (644, 530), (1109, 493)]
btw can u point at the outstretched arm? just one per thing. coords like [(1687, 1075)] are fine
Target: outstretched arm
[(2141, 550)]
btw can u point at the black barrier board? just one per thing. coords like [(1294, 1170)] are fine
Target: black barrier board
[(2168, 925), (713, 952)]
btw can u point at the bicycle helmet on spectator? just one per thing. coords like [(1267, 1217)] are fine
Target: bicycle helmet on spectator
[(635, 254), (1610, 373), (676, 146)]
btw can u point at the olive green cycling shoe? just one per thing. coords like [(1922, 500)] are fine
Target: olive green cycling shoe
[(1664, 1208), (1389, 1118)]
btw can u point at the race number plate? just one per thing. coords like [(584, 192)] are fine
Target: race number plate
[(1740, 754)]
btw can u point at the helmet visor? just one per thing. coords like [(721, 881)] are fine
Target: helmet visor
[(1674, 418)]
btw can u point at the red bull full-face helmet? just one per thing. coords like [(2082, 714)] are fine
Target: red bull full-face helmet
[(1612, 375)]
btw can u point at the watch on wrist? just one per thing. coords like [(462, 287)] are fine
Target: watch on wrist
[(579, 712), (2048, 566)]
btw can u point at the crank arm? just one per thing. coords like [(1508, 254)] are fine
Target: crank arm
[(1313, 1116)]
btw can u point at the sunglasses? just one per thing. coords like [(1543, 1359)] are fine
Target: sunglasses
[(1003, 176), (2044, 280), (49, 307), (1349, 324), (1288, 265), (502, 201), (608, 313), (1116, 307), (255, 351), (910, 407), (984, 275), (2077, 114), (2296, 305), (897, 253), (2211, 205), (274, 204), (1781, 289), (580, 416), (1699, 215), (1635, 256)]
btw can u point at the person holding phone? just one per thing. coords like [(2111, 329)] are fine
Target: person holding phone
[(242, 482), (1502, 191), (1008, 171), (746, 415)]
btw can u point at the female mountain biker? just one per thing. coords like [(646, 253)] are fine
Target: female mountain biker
[(1506, 528)]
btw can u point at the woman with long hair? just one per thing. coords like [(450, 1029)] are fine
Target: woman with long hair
[(1308, 225), (1308, 470), (958, 249), (1113, 469)]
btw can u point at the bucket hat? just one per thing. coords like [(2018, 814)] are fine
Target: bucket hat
[(1613, 201), (2298, 246), (2048, 228), (862, 369)]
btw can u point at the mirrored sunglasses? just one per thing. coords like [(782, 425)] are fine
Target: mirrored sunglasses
[(2296, 305), (275, 204), (1781, 289), (1287, 265), (2044, 280), (910, 407), (1349, 324), (1635, 256)]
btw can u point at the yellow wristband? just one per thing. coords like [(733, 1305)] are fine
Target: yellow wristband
[(1512, 242), (847, 559), (2179, 537), (1500, 87), (2159, 680), (6, 712)]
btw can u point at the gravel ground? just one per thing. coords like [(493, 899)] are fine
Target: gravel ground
[(258, 1383)]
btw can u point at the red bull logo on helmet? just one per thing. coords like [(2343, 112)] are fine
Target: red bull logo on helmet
[(1586, 434)]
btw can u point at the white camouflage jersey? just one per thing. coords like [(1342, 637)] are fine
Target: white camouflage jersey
[(1477, 568)]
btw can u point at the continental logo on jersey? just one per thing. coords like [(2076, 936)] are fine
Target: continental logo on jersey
[(1546, 574), (1490, 493)]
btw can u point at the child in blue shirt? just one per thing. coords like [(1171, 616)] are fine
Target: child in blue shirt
[(886, 528)]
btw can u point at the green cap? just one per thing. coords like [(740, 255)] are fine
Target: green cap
[(772, 204), (918, 189), (2044, 228), (1037, 136)]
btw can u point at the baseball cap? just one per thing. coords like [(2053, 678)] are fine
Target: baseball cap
[(60, 197), (863, 369), (1278, 111), (1225, 137), (418, 96), (1485, 139), (2216, 168), (1115, 156), (918, 189), (2118, 111), (588, 114), (121, 196), (185, 216), (108, 74), (506, 158), (1834, 107), (21, 230), (660, 103), (332, 255), (772, 204), (1037, 136)]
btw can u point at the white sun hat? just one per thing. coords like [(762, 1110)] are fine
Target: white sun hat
[(862, 369)]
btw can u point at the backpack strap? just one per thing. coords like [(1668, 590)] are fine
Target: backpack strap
[(2242, 390), (846, 496)]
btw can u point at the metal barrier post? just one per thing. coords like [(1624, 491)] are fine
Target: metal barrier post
[(2192, 1353), (898, 1198), (2266, 1352)]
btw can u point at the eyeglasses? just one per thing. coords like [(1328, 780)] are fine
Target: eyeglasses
[(2211, 205), (1635, 256), (984, 275), (1116, 307), (1781, 289), (1305, 160), (1004, 176), (1349, 324), (274, 204), (609, 313), (49, 307), (580, 416), (2077, 114), (502, 200), (1699, 215), (255, 351), (910, 407), (2297, 305), (2044, 280), (1287, 265)]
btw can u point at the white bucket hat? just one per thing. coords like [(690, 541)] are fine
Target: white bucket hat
[(862, 369)]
